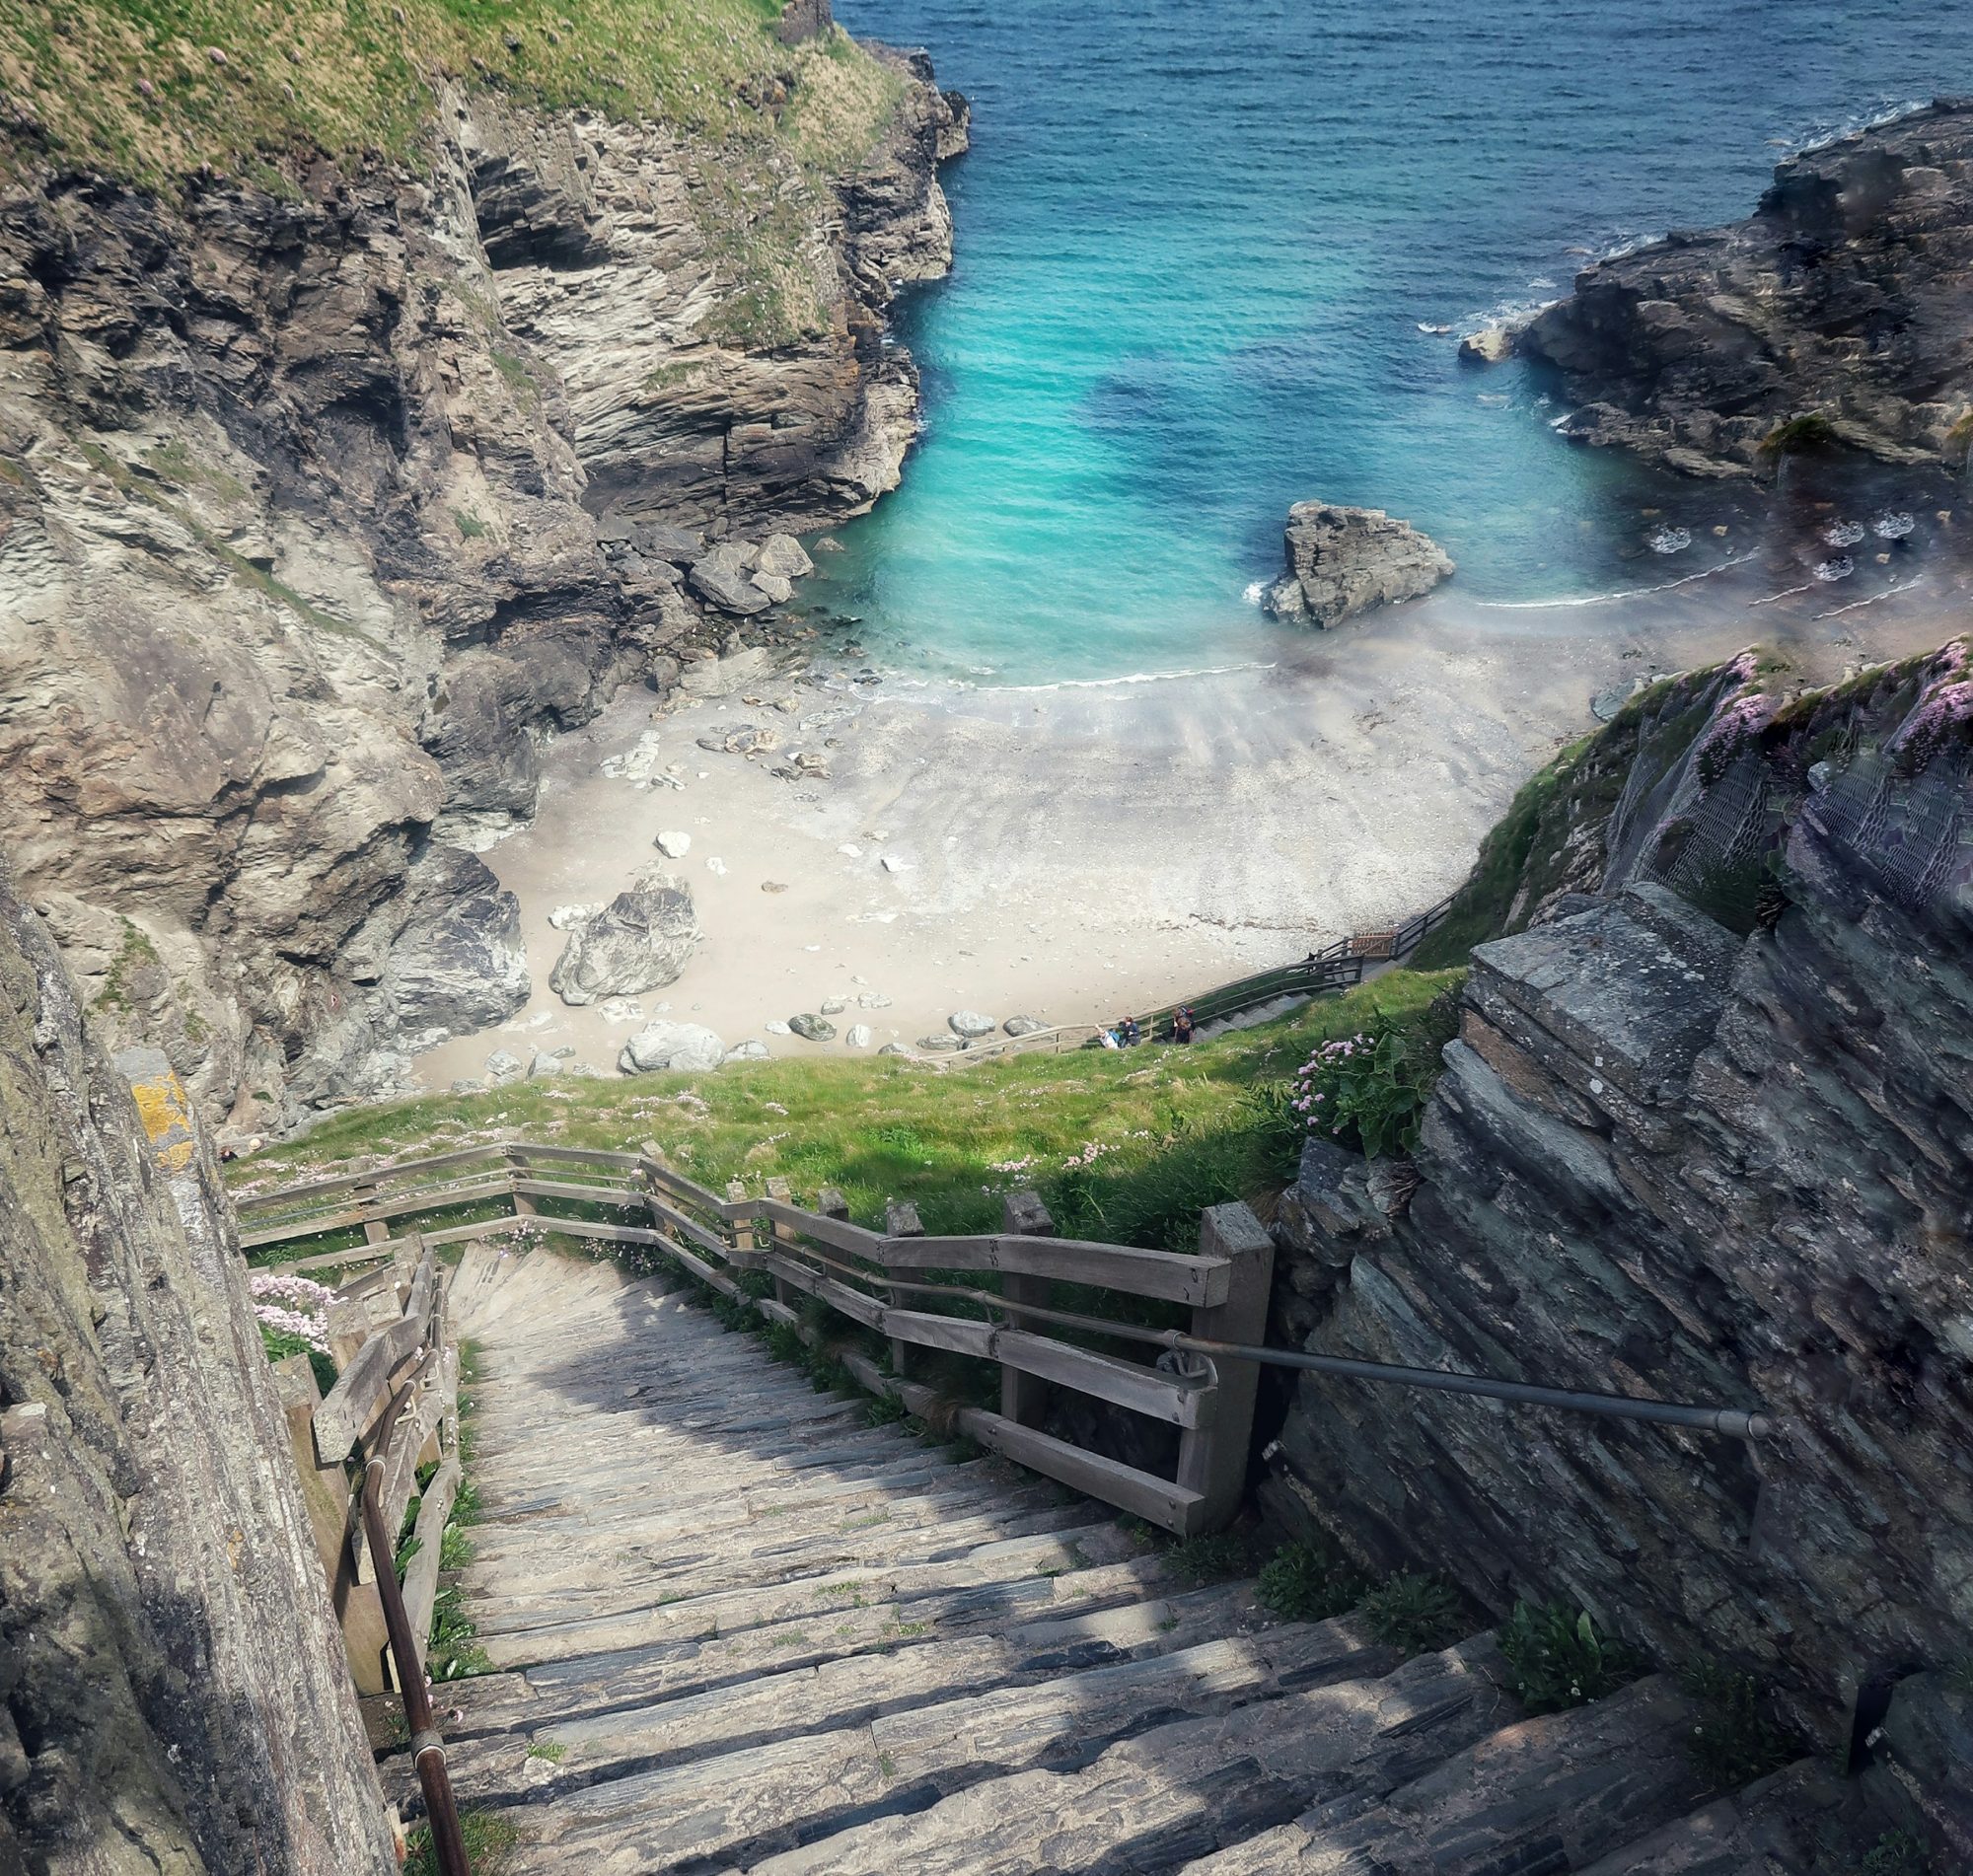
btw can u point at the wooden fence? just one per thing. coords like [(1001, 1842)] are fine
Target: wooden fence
[(995, 1298), (1337, 966)]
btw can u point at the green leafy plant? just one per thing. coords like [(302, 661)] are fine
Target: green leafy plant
[(885, 1411), (1197, 1561), (1737, 1738), (1301, 1583), (1365, 1091), (1561, 1659), (1414, 1613), (1898, 1853)]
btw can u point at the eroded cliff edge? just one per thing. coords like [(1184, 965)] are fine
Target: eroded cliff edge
[(173, 1689), (1845, 299), (322, 500), (1706, 1135)]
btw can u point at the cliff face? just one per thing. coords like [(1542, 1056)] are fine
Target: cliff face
[(1847, 295), (319, 507), (173, 1691), (1704, 1135)]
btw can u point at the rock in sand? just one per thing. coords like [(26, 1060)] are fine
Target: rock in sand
[(858, 1035), (638, 941), (672, 845), (672, 1046), (970, 1022), (1023, 1025), (812, 1028)]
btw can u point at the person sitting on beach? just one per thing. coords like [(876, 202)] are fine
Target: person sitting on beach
[(1182, 1024), (1131, 1034)]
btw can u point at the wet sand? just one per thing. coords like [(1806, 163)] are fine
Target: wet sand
[(1073, 853)]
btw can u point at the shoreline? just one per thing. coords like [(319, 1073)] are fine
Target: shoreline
[(1074, 852)]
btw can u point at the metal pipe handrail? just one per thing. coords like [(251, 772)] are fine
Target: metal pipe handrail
[(426, 1746), (1731, 1423)]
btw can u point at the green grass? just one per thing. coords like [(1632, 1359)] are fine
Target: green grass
[(1301, 1583), (1739, 1737), (490, 1842), (1182, 1127), (1414, 1613)]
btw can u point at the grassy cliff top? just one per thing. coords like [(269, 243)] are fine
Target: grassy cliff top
[(151, 90), (1126, 1145)]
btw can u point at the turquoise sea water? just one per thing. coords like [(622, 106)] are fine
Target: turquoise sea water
[(1195, 247)]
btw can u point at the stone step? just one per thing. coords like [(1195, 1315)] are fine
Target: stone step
[(1549, 1793), (1093, 1609), (1801, 1820), (597, 1729), (711, 1812), (715, 1612), (1149, 1802)]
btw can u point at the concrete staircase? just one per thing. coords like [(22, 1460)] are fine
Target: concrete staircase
[(737, 1627)]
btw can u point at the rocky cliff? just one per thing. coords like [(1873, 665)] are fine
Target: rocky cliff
[(173, 1691), (1845, 299), (1704, 1135), (328, 484)]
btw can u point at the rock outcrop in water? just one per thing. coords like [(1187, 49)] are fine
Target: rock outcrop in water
[(1704, 1136), (1848, 296), (173, 1695), (1342, 561), (320, 506)]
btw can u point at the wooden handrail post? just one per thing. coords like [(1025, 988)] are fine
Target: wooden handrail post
[(363, 1196), (1024, 1215), (780, 1237), (741, 1232), (1212, 1456), (517, 1168), (900, 1220)]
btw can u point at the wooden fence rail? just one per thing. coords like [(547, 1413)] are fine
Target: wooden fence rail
[(800, 1267)]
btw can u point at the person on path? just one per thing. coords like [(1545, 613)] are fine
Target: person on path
[(1181, 1024)]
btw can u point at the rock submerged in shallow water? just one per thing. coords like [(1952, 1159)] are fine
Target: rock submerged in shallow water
[(812, 1028), (1342, 561), (638, 941), (660, 1046)]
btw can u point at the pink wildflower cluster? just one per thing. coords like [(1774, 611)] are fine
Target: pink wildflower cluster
[(292, 1306), (1013, 1166), (1309, 1098), (1092, 1151), (1948, 710), (1731, 731)]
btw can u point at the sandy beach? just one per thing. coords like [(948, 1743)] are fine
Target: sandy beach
[(1074, 852)]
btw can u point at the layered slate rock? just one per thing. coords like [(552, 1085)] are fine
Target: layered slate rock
[(173, 1695), (1712, 1165), (1845, 297), (1344, 561), (640, 941)]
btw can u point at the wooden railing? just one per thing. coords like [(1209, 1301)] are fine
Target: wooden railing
[(1339, 966), (991, 1298), (395, 1407)]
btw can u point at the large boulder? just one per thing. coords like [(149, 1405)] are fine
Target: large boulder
[(671, 1046), (1342, 561), (460, 963), (640, 941), (724, 577)]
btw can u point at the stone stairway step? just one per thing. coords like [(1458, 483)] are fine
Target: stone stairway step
[(768, 1797), (598, 1729), (719, 1611), (1800, 1821), (1085, 1610), (1175, 1791), (1549, 1793)]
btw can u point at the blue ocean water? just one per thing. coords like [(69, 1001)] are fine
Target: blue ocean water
[(1194, 247)]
